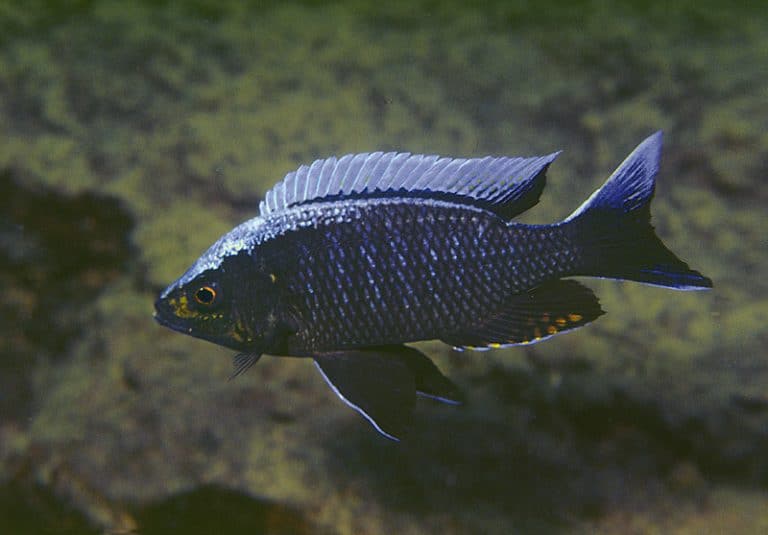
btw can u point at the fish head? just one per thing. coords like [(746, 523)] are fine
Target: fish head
[(228, 296), (225, 304), (199, 308)]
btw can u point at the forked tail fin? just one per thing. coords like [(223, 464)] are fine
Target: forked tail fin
[(614, 227)]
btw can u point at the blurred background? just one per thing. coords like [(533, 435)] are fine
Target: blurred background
[(133, 134)]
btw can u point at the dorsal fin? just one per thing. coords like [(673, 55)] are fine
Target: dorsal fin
[(506, 186)]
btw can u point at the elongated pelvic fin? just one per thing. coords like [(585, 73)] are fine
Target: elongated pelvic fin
[(506, 186), (380, 388), (381, 384), (430, 382), (533, 316)]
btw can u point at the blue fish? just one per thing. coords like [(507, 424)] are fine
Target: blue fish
[(352, 257)]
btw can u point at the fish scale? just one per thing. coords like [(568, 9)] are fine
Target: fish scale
[(399, 280)]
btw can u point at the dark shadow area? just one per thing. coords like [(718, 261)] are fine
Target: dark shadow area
[(56, 253), (458, 459), (210, 509), (637, 427), (544, 455), (32, 509)]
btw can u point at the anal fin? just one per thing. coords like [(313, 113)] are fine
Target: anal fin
[(552, 308)]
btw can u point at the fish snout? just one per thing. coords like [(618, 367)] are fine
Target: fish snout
[(164, 312)]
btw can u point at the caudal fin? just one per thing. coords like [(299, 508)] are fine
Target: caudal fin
[(614, 227)]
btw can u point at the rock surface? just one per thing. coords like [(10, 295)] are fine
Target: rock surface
[(133, 137)]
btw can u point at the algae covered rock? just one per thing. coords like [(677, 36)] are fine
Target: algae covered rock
[(133, 137)]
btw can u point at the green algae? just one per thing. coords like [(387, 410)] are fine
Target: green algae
[(188, 113), (168, 237)]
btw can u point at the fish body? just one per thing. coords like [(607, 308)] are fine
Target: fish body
[(389, 271), (350, 258)]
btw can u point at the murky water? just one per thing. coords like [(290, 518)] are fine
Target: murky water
[(133, 136)]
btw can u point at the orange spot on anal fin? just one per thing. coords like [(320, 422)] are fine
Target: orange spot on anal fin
[(552, 308), (551, 329)]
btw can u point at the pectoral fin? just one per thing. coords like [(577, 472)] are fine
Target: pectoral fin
[(242, 363), (379, 387)]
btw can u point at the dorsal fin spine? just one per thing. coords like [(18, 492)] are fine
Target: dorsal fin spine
[(327, 175), (359, 169), (473, 165), (293, 188), (464, 169), (300, 181), (405, 169), (283, 195), (338, 180), (432, 172), (384, 165), (348, 180), (418, 171), (270, 199), (330, 175), (449, 174), (368, 166), (492, 169), (351, 178), (413, 177)]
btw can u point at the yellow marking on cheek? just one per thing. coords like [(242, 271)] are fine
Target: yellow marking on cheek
[(551, 329), (240, 333), (181, 307), (560, 321), (574, 317)]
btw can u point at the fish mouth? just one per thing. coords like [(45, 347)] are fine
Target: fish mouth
[(165, 316)]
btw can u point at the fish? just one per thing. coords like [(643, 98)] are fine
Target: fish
[(352, 258)]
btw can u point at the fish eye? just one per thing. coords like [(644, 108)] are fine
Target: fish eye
[(205, 295)]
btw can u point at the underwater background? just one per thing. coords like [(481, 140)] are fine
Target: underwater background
[(133, 134)]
